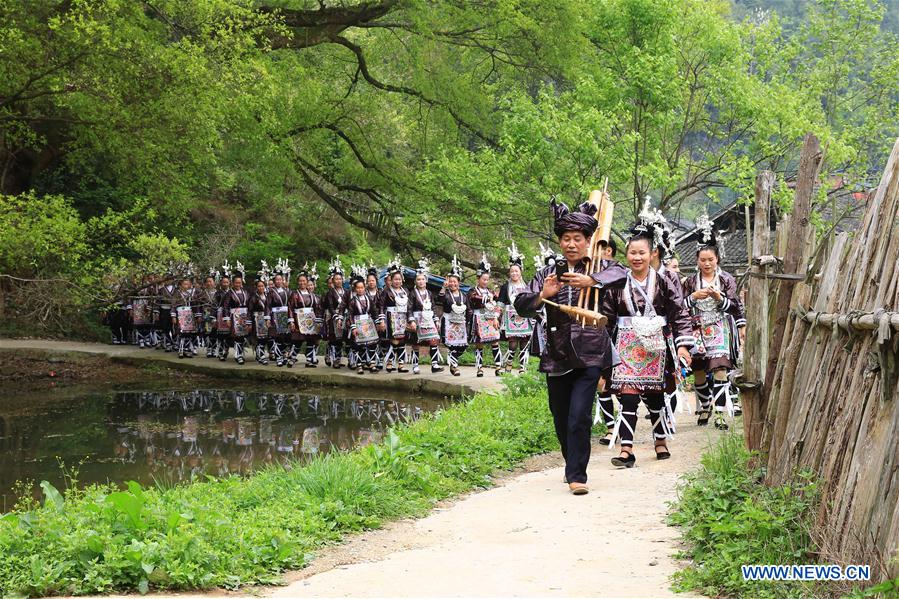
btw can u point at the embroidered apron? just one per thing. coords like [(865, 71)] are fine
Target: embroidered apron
[(427, 326), (641, 343), (714, 330), (306, 324), (365, 331), (259, 325), (239, 322), (186, 321), (220, 325), (398, 316), (455, 332), (140, 312), (281, 320)]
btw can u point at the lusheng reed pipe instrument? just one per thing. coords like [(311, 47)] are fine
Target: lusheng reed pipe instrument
[(605, 209), (584, 316)]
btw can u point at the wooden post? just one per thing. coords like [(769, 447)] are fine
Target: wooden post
[(755, 354), (795, 257)]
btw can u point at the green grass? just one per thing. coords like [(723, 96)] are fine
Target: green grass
[(729, 518), (238, 531)]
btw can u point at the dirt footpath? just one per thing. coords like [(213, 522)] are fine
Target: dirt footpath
[(527, 537)]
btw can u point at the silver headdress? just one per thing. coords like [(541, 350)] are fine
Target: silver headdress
[(546, 257), (335, 267), (238, 270), (483, 265), (357, 273), (264, 273), (456, 268), (515, 257), (424, 267), (708, 236), (395, 265)]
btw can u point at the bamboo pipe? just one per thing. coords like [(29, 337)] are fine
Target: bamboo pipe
[(599, 199), (595, 318)]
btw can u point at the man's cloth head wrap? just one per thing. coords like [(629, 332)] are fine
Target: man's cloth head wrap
[(581, 219)]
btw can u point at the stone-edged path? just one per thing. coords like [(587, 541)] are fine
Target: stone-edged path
[(441, 383)]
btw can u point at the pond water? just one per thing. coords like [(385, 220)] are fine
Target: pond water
[(174, 435)]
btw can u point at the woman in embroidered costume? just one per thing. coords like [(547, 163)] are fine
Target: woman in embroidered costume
[(422, 321), (574, 357), (517, 330), (235, 312), (454, 323), (373, 293), (280, 316), (484, 321), (393, 318), (207, 302), (663, 251), (361, 315), (306, 308), (222, 328), (258, 314), (712, 297), (184, 319), (644, 315), (334, 304)]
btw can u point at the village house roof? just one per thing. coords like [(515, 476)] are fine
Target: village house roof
[(731, 219)]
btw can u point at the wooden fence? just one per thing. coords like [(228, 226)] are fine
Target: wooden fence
[(827, 400)]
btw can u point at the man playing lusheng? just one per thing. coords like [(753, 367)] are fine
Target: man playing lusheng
[(574, 357)]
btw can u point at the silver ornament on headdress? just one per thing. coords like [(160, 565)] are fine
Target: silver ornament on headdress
[(546, 257), (335, 267), (515, 257), (484, 266), (654, 221), (357, 272), (238, 270), (708, 235), (264, 272), (456, 267), (424, 267)]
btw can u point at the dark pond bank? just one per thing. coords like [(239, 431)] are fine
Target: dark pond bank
[(174, 435)]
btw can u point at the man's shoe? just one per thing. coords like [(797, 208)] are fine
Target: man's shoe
[(578, 488)]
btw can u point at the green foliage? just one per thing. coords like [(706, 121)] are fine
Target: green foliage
[(39, 235), (729, 517), (233, 531), (430, 127), (888, 589)]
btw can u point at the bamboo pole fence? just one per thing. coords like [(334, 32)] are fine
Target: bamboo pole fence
[(832, 381)]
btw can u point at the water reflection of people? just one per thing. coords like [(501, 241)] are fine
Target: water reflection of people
[(311, 440), (177, 435)]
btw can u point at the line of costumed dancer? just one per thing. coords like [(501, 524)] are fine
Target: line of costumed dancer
[(281, 321), (650, 329)]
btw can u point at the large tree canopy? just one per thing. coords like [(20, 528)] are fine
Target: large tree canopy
[(309, 128)]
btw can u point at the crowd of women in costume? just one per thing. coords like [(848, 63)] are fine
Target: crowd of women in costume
[(281, 319), (660, 327)]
